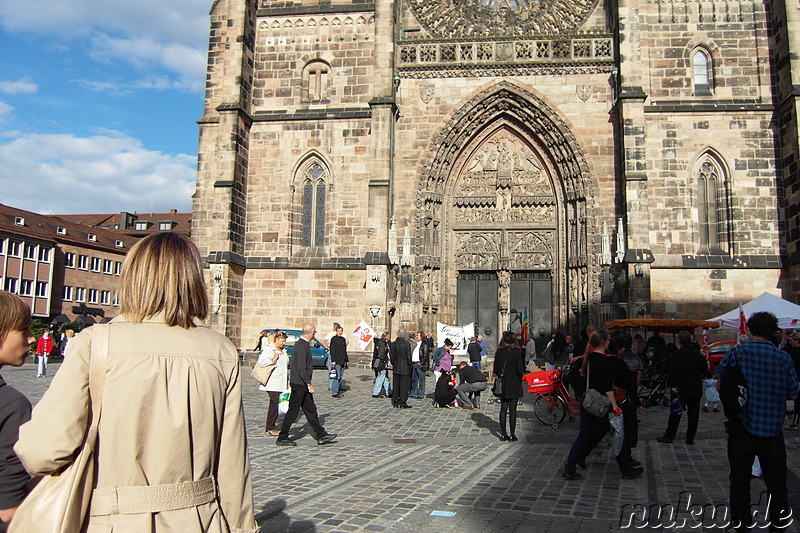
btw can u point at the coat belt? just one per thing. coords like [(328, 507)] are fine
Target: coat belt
[(153, 498)]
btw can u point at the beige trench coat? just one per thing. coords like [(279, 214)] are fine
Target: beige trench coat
[(172, 413)]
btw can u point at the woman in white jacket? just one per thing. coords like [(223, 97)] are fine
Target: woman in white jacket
[(275, 354)]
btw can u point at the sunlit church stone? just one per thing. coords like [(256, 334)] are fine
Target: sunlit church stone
[(456, 161)]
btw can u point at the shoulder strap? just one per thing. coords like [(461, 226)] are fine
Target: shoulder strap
[(98, 364)]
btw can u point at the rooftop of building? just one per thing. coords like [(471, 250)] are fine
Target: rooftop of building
[(136, 224), (54, 229)]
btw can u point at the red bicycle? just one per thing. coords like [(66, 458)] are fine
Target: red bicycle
[(553, 401)]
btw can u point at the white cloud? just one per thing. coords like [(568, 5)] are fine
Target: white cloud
[(19, 86), (101, 174), (5, 110), (147, 33)]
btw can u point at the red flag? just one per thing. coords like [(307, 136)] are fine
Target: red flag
[(742, 321)]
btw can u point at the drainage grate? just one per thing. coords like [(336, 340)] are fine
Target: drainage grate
[(405, 441)]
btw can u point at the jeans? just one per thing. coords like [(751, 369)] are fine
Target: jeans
[(692, 412), (465, 388), (334, 384), (591, 432), (381, 382), (743, 448), (417, 381), (41, 369)]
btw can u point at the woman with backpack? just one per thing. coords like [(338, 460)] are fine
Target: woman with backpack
[(380, 365)]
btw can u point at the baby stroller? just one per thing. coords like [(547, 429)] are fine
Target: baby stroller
[(654, 391)]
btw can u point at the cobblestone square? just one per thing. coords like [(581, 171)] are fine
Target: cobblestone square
[(391, 468)]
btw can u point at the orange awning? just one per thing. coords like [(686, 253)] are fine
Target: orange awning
[(664, 325)]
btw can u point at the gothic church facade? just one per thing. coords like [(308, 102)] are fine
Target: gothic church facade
[(456, 161)]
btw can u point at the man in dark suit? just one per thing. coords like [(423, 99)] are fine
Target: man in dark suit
[(303, 392), (687, 370), (400, 356)]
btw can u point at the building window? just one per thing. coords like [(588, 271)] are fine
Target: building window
[(69, 260), (314, 189), (44, 254), (80, 294), (30, 251), (10, 285), (26, 287), (712, 207), (117, 267), (61, 230), (106, 266), (95, 264), (83, 262), (315, 80), (41, 289), (19, 221), (66, 293), (119, 244), (92, 237), (141, 225), (701, 66), (105, 297), (166, 225), (2, 245), (115, 300), (92, 296), (13, 249)]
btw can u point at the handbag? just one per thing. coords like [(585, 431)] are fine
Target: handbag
[(262, 373), (595, 403), (497, 387), (60, 502)]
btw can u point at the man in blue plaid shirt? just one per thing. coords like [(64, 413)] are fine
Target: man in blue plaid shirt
[(758, 431)]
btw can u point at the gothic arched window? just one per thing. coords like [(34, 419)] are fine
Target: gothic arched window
[(313, 228), (712, 206), (316, 77), (701, 68)]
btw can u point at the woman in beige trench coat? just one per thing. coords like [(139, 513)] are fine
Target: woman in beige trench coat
[(172, 451)]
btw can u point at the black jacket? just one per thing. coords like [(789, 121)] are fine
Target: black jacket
[(400, 354), (424, 356), (508, 363), (301, 364), (687, 370), (474, 350), (338, 349), (471, 374), (15, 410)]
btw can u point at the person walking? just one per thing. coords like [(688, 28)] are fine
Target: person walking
[(420, 364), (275, 354), (600, 370), (339, 359), (15, 409), (687, 369), (400, 355), (302, 395), (474, 352), (171, 448), (757, 430), (380, 365), (509, 368), (44, 347)]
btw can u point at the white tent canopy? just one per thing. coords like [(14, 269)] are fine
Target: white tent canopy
[(788, 313)]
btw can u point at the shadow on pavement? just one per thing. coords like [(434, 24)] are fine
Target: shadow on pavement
[(272, 518), (485, 422)]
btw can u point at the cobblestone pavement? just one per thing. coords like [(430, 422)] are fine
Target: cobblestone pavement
[(392, 468)]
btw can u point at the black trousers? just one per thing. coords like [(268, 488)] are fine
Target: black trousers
[(693, 412), (743, 448), (301, 399), (630, 420), (400, 389), (591, 431)]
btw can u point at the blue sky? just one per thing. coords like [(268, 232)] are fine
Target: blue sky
[(98, 103)]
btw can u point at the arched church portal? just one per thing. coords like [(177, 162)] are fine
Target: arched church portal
[(503, 216)]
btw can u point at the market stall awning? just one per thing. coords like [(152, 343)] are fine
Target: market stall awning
[(663, 325), (788, 314)]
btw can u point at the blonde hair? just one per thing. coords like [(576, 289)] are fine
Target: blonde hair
[(162, 275), (15, 315)]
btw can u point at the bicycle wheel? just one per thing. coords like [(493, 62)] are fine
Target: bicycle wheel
[(550, 409)]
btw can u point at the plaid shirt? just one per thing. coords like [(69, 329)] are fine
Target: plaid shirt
[(771, 379)]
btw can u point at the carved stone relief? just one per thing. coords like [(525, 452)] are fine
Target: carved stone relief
[(477, 251)]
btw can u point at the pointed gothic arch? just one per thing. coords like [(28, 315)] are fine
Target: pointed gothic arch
[(711, 194), (508, 167), (310, 183)]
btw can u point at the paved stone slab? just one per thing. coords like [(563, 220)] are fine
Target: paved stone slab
[(391, 468)]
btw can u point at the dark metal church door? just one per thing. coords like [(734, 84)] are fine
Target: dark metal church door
[(532, 293), (477, 302)]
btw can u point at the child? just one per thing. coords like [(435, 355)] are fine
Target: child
[(15, 342), (710, 394)]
